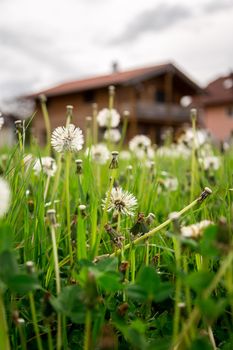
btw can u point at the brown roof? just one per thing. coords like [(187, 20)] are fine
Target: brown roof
[(118, 78), (219, 91)]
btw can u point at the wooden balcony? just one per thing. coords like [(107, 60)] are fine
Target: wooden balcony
[(161, 112)]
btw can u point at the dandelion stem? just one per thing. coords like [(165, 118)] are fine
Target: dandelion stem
[(55, 257), (104, 218), (46, 187), (176, 319), (152, 232), (87, 335), (94, 123), (57, 177), (46, 121), (4, 338), (35, 322), (22, 337), (67, 184)]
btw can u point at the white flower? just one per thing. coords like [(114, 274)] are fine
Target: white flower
[(5, 197), (1, 122), (195, 230), (108, 118), (140, 145), (168, 182), (112, 135), (99, 153), (171, 183), (211, 162), (174, 151), (121, 202), (125, 155), (67, 139), (46, 165), (139, 142), (201, 136), (150, 152)]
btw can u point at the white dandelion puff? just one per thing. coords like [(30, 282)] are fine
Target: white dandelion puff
[(210, 163), (67, 139), (140, 145), (112, 135), (139, 142), (99, 153), (125, 155), (1, 121), (201, 137), (120, 202), (47, 165), (174, 151), (195, 230), (5, 197), (108, 118)]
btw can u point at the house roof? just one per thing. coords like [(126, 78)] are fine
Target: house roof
[(117, 78), (219, 91)]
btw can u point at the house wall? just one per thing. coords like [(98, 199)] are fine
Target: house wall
[(218, 121), (125, 99)]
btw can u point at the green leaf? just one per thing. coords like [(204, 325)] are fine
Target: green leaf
[(6, 237), (8, 265), (136, 292), (23, 283), (108, 264), (109, 281), (211, 308), (70, 303), (163, 292), (199, 280), (201, 344), (208, 242), (148, 279)]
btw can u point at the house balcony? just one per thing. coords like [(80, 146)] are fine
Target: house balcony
[(162, 112)]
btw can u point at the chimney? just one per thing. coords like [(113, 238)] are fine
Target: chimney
[(115, 67)]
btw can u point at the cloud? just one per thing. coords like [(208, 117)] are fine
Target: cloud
[(217, 5), (153, 20)]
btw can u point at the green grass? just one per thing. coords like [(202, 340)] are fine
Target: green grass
[(163, 292)]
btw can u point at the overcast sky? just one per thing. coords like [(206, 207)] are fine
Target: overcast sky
[(45, 42)]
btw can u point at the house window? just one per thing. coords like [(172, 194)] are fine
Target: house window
[(160, 96), (229, 111), (89, 96)]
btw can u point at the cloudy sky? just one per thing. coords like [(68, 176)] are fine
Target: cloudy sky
[(45, 42)]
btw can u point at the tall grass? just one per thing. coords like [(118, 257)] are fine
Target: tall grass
[(138, 285)]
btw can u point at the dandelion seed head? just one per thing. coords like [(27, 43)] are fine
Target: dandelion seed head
[(211, 162), (125, 155), (47, 165), (99, 153), (140, 145), (67, 138), (112, 135), (195, 230), (108, 118), (5, 197), (120, 202)]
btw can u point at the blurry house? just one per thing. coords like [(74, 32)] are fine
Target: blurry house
[(217, 107), (152, 95)]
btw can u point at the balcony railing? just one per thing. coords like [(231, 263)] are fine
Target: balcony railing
[(161, 112)]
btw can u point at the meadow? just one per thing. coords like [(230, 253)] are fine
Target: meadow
[(106, 244)]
